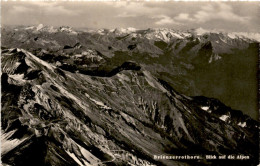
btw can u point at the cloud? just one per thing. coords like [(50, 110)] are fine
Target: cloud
[(164, 20), (125, 15), (211, 12), (134, 9), (47, 8), (208, 12), (20, 9), (142, 15), (183, 17), (60, 10), (220, 12)]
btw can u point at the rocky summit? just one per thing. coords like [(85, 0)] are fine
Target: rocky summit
[(127, 97)]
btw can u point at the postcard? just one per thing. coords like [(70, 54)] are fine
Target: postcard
[(141, 83)]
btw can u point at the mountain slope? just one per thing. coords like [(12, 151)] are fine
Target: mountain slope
[(52, 116)]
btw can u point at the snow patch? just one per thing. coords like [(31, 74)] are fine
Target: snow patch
[(224, 40), (17, 64), (101, 31), (101, 104), (214, 57), (177, 35), (52, 30), (131, 29), (6, 144), (232, 35), (224, 117), (242, 124), (164, 36), (29, 28), (68, 30), (72, 155), (92, 159), (18, 77), (206, 108), (185, 34), (39, 27), (128, 118), (123, 77)]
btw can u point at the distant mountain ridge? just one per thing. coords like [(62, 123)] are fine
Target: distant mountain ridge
[(49, 37), (186, 59), (159, 33)]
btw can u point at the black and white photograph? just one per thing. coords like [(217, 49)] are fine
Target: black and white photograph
[(130, 83)]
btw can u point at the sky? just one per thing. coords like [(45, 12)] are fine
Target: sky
[(224, 16)]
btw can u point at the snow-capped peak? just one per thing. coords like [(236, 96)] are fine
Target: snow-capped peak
[(39, 27), (67, 29), (165, 34), (232, 35), (245, 35)]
